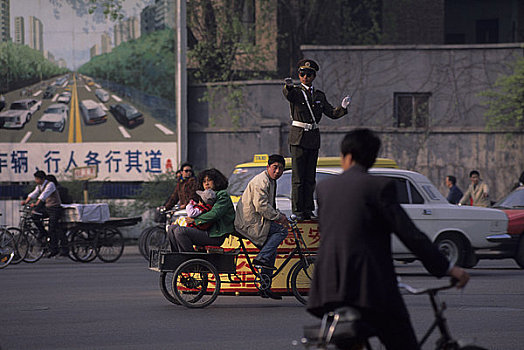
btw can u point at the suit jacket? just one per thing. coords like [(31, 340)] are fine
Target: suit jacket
[(300, 112), (454, 195), (358, 213), (479, 195)]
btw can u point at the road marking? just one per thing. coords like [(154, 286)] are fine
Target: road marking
[(87, 88), (26, 137), (164, 129), (37, 93), (103, 106), (65, 83), (116, 98), (98, 86), (124, 132), (54, 98)]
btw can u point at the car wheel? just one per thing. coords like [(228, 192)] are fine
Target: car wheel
[(519, 256), (453, 247)]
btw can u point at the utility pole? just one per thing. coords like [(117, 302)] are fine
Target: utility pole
[(181, 80)]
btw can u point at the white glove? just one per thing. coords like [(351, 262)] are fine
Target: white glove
[(346, 101), (288, 81)]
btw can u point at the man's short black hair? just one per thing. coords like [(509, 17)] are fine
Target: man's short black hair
[(39, 174), (276, 158), (474, 172), (186, 164), (452, 179), (363, 145)]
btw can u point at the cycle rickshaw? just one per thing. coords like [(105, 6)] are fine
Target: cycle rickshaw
[(194, 279)]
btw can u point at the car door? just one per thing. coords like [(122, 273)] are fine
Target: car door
[(418, 209)]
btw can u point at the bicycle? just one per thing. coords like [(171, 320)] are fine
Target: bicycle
[(344, 328), (20, 243), (193, 279), (7, 247)]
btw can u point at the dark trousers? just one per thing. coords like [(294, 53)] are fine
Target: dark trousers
[(183, 238), (55, 234), (303, 179)]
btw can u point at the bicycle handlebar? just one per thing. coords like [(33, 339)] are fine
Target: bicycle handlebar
[(417, 291)]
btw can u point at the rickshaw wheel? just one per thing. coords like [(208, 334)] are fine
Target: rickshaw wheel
[(196, 283)]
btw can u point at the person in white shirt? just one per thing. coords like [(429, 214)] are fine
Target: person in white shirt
[(48, 204)]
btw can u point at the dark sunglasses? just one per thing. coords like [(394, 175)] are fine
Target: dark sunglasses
[(306, 74)]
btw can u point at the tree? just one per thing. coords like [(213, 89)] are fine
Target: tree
[(506, 101)]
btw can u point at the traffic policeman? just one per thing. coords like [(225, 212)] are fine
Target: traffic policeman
[(307, 104)]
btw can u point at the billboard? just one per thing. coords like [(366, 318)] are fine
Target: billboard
[(81, 89)]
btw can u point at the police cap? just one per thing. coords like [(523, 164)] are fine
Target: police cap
[(306, 63)]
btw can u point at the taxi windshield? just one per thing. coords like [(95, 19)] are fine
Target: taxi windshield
[(240, 178)]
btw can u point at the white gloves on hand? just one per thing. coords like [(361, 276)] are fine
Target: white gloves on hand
[(346, 101), (288, 81)]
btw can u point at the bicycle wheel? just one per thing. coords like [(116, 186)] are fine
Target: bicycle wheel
[(166, 285), (301, 278), (21, 243), (109, 245), (196, 283), (142, 242), (156, 240), (7, 248), (83, 245), (36, 246)]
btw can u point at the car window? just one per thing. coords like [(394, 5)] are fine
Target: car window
[(407, 193), (430, 190), (514, 200), (17, 106), (54, 110), (240, 178)]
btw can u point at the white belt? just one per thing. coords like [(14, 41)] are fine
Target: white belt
[(305, 126)]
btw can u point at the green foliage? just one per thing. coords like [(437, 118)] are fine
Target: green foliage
[(112, 9), (155, 193), (147, 63), (506, 101), (20, 64)]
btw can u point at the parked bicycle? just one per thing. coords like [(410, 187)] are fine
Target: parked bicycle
[(343, 328), (155, 237), (193, 279)]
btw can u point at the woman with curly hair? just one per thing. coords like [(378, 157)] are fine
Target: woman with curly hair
[(221, 217)]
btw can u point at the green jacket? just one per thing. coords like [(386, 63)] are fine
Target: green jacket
[(222, 215)]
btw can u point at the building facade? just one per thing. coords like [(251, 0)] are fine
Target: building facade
[(19, 30), (36, 34), (5, 18)]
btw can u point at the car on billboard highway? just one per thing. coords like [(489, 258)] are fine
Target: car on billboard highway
[(19, 113), (64, 97), (127, 115), (54, 118), (92, 112)]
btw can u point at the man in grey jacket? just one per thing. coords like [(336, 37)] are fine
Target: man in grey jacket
[(258, 219)]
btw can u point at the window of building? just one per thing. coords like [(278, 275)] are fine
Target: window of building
[(487, 31), (412, 109), (248, 22)]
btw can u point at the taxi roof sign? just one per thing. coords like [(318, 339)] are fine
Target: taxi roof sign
[(260, 158)]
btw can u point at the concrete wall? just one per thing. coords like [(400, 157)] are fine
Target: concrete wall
[(455, 141)]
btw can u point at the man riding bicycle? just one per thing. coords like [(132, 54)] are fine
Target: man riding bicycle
[(354, 266), (48, 204)]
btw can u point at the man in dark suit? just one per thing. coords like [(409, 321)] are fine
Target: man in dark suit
[(307, 105), (354, 267), (455, 194)]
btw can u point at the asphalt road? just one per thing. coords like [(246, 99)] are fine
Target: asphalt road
[(59, 304)]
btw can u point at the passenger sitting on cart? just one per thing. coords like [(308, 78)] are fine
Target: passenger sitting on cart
[(258, 219), (193, 209), (221, 217)]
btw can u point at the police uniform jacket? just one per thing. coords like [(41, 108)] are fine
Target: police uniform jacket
[(358, 213), (300, 112)]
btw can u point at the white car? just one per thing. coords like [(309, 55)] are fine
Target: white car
[(92, 112), (64, 97), (463, 233), (19, 113), (102, 95), (54, 118)]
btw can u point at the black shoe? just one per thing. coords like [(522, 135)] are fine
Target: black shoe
[(64, 253), (258, 263), (268, 293), (313, 217), (301, 217)]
